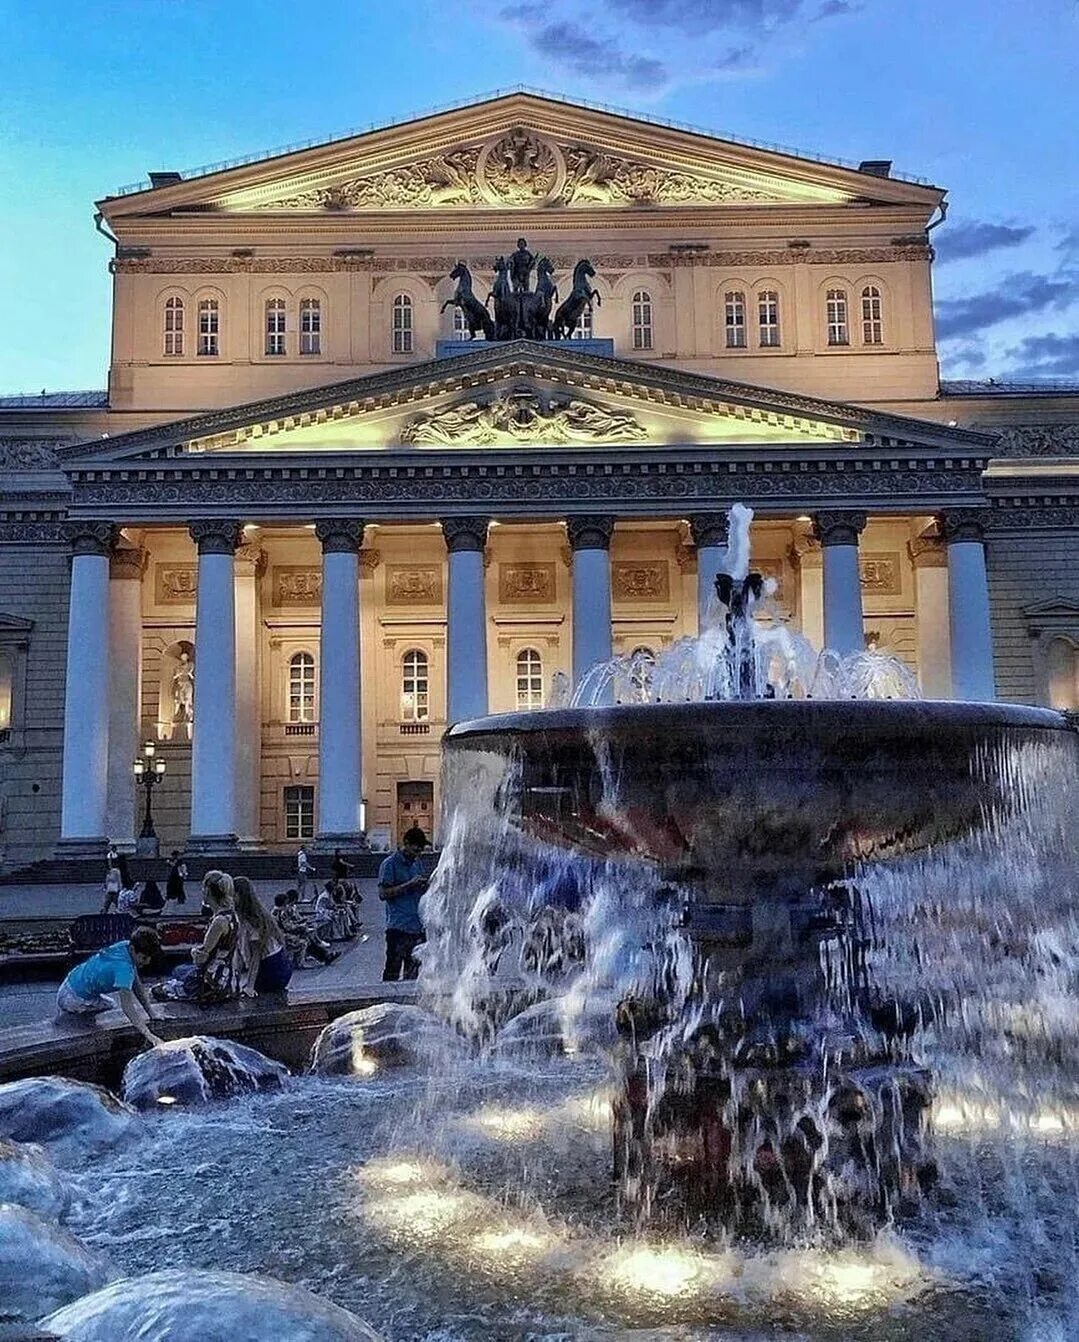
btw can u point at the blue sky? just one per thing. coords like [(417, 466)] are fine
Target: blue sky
[(979, 96)]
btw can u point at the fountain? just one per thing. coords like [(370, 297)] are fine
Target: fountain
[(748, 846)]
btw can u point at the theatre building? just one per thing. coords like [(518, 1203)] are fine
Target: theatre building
[(309, 523)]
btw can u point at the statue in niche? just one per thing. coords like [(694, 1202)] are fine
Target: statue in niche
[(183, 692)]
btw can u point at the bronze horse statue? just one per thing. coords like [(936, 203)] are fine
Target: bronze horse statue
[(582, 296), (536, 307), (477, 318), (507, 304)]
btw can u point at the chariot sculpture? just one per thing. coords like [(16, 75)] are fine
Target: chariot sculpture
[(521, 312)]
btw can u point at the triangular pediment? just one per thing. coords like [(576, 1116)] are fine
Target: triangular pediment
[(517, 152), (518, 395), (1052, 608)]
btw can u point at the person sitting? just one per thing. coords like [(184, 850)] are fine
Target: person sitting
[(330, 920), (128, 899), (150, 902), (265, 966), (215, 959), (299, 937), (346, 911), (115, 969)]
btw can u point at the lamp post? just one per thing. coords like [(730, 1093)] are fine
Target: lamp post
[(148, 771)]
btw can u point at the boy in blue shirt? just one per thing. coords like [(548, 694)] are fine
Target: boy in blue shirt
[(114, 970), (401, 882)]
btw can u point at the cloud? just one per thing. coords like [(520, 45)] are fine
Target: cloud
[(1018, 295), (1048, 355), (976, 238), (963, 356), (588, 54), (832, 9), (528, 11), (696, 17)]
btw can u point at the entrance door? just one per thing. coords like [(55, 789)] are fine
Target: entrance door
[(415, 806)]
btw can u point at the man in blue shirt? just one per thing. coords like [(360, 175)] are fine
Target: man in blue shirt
[(401, 882), (114, 970)]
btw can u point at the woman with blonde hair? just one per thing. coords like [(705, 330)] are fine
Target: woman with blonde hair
[(216, 957), (264, 963)]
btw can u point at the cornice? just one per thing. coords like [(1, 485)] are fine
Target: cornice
[(523, 358)]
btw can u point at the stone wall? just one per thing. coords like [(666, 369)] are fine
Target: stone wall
[(1025, 570)]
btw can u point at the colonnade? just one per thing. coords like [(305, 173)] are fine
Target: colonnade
[(104, 648)]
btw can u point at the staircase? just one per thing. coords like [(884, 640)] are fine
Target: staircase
[(255, 866)]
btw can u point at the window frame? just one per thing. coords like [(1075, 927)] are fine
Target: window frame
[(735, 333), (768, 303), (208, 328), (415, 702), (301, 691), (309, 326), (586, 325), (172, 330), (837, 317), (871, 298), (642, 320), (402, 331), (528, 679), (275, 327), (303, 795)]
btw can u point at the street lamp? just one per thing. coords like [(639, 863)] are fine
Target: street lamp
[(148, 771)]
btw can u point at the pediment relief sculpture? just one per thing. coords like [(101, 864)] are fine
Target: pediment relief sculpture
[(522, 417), (522, 168)]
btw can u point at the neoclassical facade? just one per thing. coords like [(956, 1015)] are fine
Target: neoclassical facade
[(309, 524)]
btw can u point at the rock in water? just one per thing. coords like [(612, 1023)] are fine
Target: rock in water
[(29, 1179), (387, 1035), (41, 1266), (196, 1071), (192, 1306), (70, 1118)]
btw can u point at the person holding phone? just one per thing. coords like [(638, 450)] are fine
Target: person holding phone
[(401, 882)]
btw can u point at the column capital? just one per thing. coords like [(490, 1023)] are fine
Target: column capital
[(964, 524), (590, 531), (927, 552), (91, 538), (709, 529), (369, 561), (839, 527), (465, 533), (215, 536), (340, 535), (128, 561)]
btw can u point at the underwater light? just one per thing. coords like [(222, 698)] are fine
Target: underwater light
[(651, 1271)]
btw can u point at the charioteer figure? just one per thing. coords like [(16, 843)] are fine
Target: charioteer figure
[(521, 264)]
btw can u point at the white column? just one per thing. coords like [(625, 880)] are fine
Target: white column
[(249, 564), (466, 619), (213, 741), (844, 628), (928, 555), (968, 606), (340, 767), (590, 541), (709, 532), (126, 568), (86, 692)]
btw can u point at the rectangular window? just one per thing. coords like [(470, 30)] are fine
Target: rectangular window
[(735, 318), (310, 326), (838, 331), (768, 317), (275, 326), (299, 813), (209, 327), (174, 327)]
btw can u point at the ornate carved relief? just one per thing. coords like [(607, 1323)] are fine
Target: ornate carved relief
[(413, 585), (1037, 440), (521, 168), (175, 584), (526, 584), (838, 527), (216, 536), (643, 580), (595, 178), (964, 524), (91, 538), (30, 454), (522, 416), (880, 573), (296, 585)]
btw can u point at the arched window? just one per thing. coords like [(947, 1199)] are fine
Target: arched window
[(301, 687), (1062, 667), (209, 327), (872, 321), (768, 318), (529, 679), (310, 326), (275, 326), (838, 330), (734, 316), (415, 699), (174, 327), (642, 319), (460, 324), (585, 327), (402, 324)]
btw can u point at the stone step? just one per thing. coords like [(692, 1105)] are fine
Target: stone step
[(255, 866)]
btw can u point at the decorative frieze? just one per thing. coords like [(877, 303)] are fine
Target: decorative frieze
[(30, 454), (521, 416), (175, 584), (413, 585), (1037, 440), (881, 574), (526, 584), (645, 580), (296, 585)]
